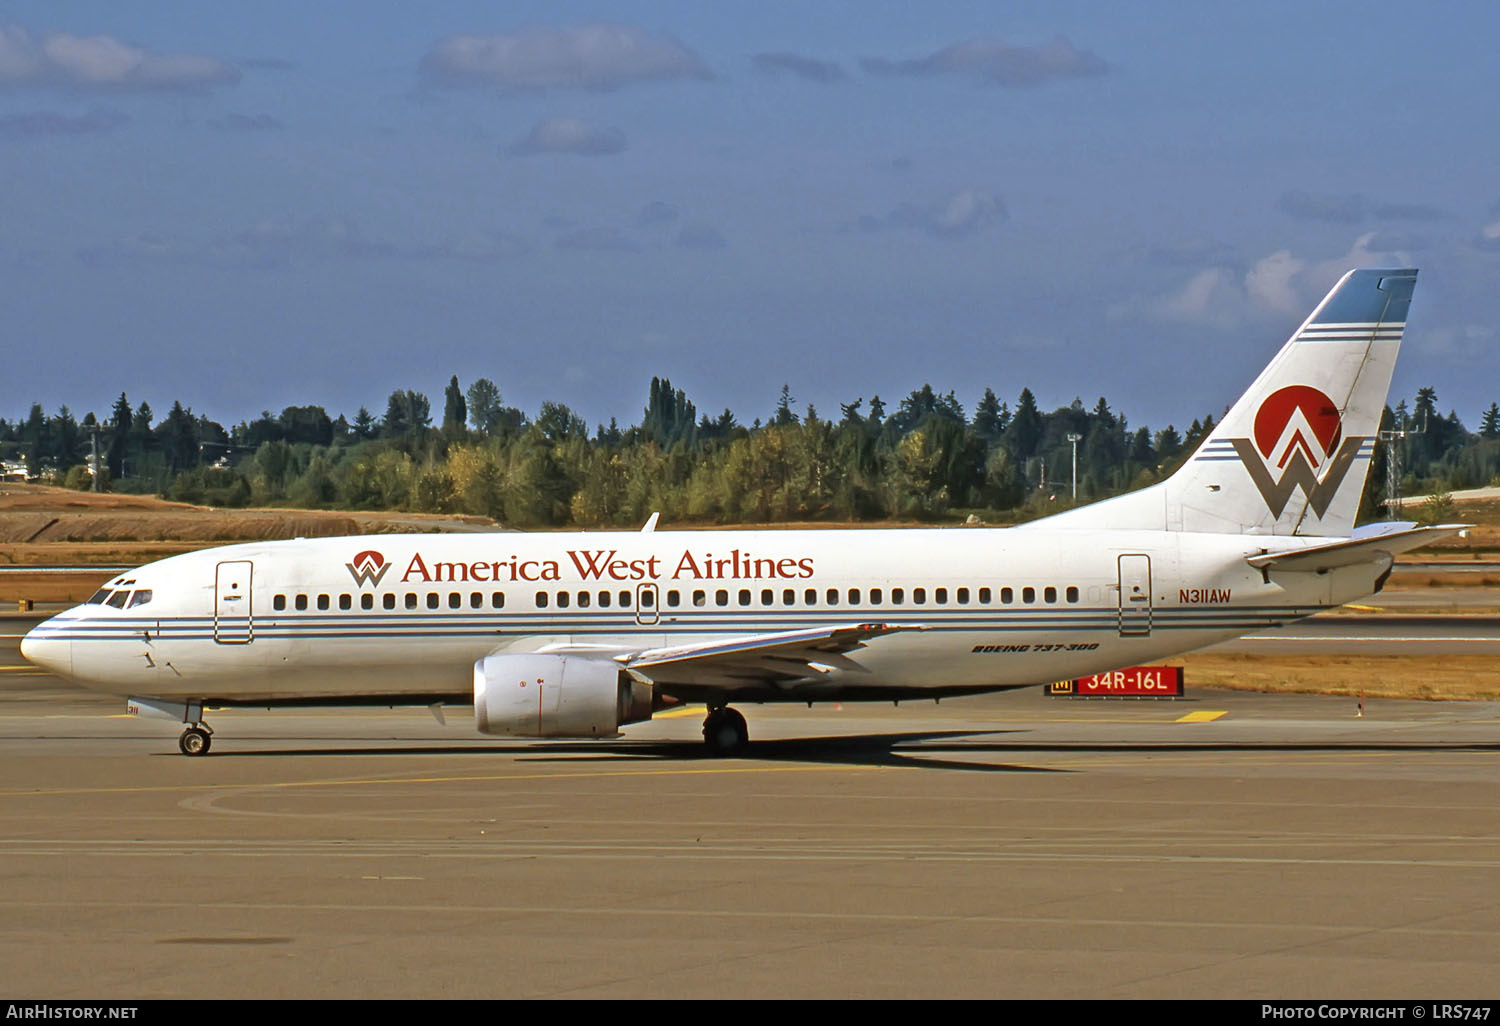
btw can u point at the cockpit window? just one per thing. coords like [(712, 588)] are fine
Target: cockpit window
[(98, 597), (140, 598), (118, 599)]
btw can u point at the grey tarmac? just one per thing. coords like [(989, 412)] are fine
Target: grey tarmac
[(1013, 845)]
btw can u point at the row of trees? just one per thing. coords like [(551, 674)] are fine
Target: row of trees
[(925, 459)]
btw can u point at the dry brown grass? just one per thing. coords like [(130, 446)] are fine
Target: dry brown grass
[(1467, 678)]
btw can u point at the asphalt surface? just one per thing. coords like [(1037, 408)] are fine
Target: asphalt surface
[(1225, 845)]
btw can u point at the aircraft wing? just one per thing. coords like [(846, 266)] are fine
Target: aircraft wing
[(781, 657), (1367, 544)]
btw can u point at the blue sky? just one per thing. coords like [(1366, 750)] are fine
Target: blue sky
[(246, 206)]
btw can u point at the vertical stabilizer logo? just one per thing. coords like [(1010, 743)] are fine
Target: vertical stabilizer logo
[(1298, 443), (368, 568)]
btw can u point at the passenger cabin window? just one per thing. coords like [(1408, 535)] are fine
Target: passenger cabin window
[(984, 596), (854, 596), (1007, 596), (367, 602), (322, 601), (721, 597), (432, 600), (700, 597), (744, 596), (874, 596), (346, 601), (389, 602), (562, 600), (584, 598), (918, 596), (1028, 595), (1049, 594), (411, 600), (811, 596), (541, 600), (278, 603), (497, 600), (604, 599), (301, 602), (963, 596), (1072, 594), (940, 596), (455, 600), (476, 600), (898, 595), (833, 596)]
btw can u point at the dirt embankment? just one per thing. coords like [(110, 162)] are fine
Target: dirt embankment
[(44, 526), (39, 515)]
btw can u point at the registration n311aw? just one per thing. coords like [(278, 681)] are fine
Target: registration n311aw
[(576, 635)]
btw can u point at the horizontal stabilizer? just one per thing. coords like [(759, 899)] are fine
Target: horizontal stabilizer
[(1367, 545)]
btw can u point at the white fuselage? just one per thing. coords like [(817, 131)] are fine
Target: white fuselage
[(308, 620)]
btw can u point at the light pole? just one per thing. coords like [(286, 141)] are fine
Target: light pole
[(1074, 440)]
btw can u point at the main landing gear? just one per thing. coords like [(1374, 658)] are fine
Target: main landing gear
[(195, 740), (724, 731)]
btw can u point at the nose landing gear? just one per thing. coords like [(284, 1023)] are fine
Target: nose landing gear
[(195, 740)]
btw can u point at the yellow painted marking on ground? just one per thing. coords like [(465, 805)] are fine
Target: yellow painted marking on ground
[(675, 714), (364, 781), (21, 669), (1365, 609), (1202, 716)]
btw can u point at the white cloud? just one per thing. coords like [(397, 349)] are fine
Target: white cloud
[(570, 135), (47, 123), (1211, 297), (998, 62), (1280, 284), (962, 214), (1270, 282), (102, 63), (593, 56)]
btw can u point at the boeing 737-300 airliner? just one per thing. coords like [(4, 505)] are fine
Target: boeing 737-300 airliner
[(575, 635)]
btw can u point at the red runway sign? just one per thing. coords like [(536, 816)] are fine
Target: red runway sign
[(1130, 682)]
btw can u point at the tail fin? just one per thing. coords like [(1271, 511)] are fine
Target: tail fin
[(1291, 456)]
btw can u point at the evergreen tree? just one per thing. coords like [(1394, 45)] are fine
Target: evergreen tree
[(455, 410), (1489, 424), (1025, 431), (119, 436), (784, 415), (987, 422), (177, 438)]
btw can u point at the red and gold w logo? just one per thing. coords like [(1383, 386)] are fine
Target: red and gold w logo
[(1299, 430), (368, 568)]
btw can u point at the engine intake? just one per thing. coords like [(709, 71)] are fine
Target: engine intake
[(528, 694)]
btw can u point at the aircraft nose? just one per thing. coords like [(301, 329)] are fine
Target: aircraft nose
[(41, 648)]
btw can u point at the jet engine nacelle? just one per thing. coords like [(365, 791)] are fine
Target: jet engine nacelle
[(528, 694)]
